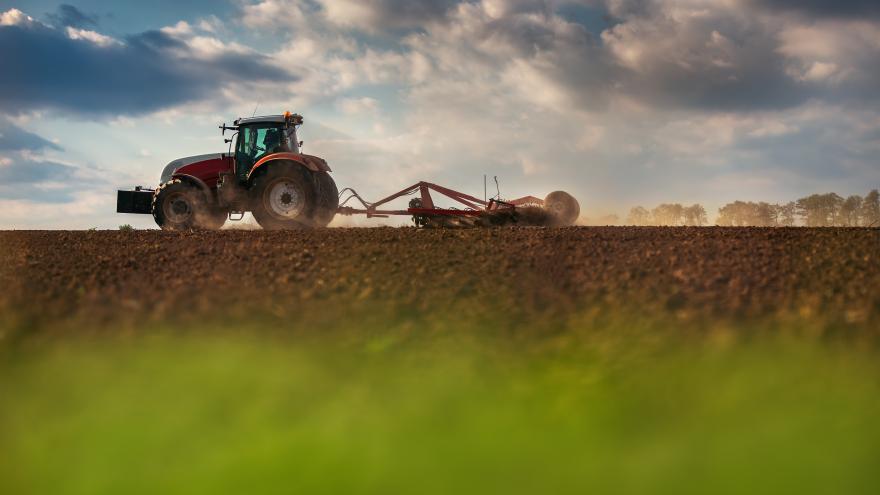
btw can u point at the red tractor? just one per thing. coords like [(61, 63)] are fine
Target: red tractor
[(265, 174), (286, 189)]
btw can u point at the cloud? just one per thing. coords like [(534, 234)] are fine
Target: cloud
[(358, 106), (70, 16), (686, 54), (95, 37), (15, 17), (379, 15), (690, 56), (41, 181), (839, 53), (13, 138), (852, 9), (17, 172), (84, 72)]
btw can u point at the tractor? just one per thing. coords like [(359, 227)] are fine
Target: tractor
[(269, 176), (265, 174)]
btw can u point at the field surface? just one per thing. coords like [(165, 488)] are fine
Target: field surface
[(388, 360), (54, 280)]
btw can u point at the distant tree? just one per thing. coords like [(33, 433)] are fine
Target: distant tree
[(668, 214), (776, 214), (787, 214), (741, 213), (695, 215), (729, 215), (834, 205), (820, 210), (638, 216), (126, 228), (851, 211), (871, 209)]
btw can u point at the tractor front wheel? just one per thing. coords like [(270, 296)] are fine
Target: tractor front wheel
[(181, 206), (283, 198)]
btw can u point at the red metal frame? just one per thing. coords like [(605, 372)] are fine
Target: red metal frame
[(474, 206)]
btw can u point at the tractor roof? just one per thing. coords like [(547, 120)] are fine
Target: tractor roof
[(279, 119)]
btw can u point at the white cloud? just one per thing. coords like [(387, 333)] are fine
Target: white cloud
[(349, 12), (15, 17), (210, 24), (181, 29), (91, 36), (833, 51), (820, 71), (274, 13)]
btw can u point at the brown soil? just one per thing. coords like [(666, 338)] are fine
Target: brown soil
[(115, 281)]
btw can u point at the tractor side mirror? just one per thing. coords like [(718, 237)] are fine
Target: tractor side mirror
[(301, 144), (227, 140)]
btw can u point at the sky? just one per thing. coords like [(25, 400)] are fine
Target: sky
[(619, 102)]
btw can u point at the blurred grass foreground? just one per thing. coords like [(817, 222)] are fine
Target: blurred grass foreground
[(435, 361), (387, 410)]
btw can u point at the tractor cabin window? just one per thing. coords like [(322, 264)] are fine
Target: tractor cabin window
[(255, 142)]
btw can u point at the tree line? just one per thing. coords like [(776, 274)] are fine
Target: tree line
[(668, 214), (816, 210)]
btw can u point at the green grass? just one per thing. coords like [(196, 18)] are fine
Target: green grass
[(387, 411)]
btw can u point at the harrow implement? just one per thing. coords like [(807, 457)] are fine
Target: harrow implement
[(558, 208)]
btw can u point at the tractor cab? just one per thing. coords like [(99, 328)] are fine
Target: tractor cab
[(262, 136)]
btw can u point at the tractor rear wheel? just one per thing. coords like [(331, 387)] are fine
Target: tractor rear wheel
[(181, 206), (283, 197), (327, 196), (563, 208)]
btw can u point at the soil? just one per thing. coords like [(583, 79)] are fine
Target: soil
[(107, 281)]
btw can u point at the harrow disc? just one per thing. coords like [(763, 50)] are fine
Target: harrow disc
[(563, 208)]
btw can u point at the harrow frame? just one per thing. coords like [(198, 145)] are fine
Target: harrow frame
[(474, 207)]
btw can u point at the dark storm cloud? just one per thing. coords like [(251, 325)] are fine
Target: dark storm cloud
[(13, 138), (68, 15), (43, 181), (42, 68), (719, 61), (404, 14), (755, 80), (31, 172), (40, 182), (826, 8)]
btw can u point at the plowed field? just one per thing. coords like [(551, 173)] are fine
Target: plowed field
[(525, 277)]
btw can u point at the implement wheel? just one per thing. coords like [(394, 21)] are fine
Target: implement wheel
[(562, 207)]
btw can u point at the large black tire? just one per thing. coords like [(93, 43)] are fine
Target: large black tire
[(178, 205), (327, 196), (563, 208), (283, 197)]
